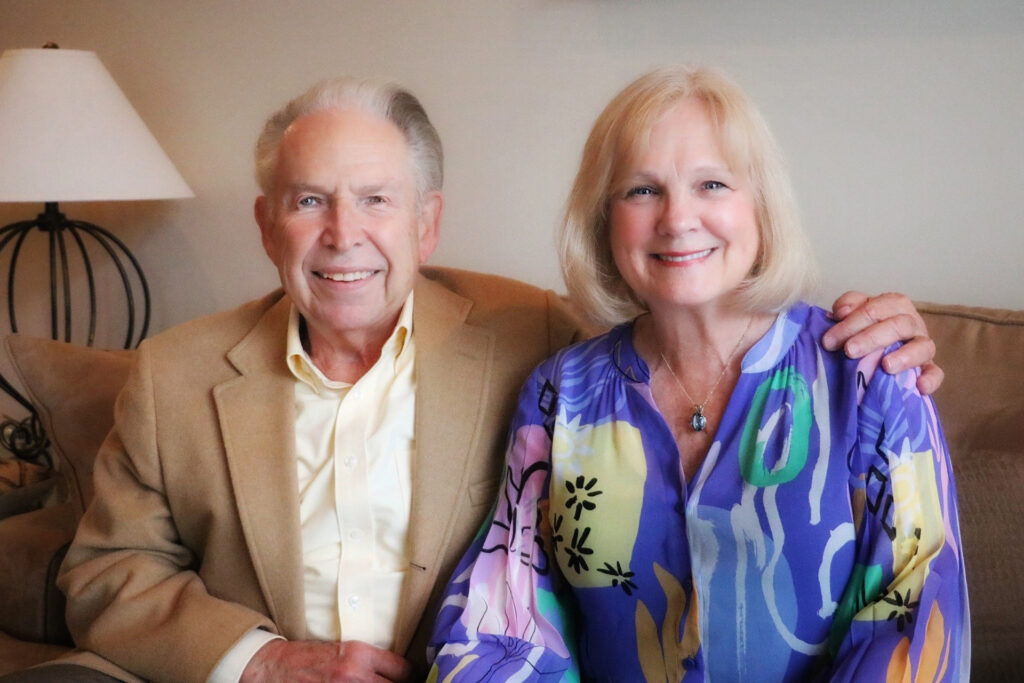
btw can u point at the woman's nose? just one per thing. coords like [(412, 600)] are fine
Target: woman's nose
[(681, 213)]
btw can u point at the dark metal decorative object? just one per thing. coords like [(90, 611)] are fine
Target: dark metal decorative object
[(67, 239)]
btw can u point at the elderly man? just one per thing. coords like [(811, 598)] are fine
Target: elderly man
[(289, 484)]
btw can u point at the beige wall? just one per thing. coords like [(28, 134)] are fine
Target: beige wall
[(901, 121)]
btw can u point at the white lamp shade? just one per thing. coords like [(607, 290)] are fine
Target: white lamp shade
[(68, 133)]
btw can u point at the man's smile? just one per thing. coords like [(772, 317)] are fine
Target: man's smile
[(351, 276)]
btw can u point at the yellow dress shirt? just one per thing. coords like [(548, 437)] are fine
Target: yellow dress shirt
[(354, 446)]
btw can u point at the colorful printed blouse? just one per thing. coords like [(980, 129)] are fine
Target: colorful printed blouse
[(818, 540)]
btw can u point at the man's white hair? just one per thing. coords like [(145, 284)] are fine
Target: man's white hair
[(388, 101)]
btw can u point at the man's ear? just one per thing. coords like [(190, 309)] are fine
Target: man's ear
[(430, 224), (264, 218)]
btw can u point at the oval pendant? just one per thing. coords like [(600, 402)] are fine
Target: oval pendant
[(697, 421)]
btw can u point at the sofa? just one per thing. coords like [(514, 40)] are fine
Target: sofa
[(981, 404)]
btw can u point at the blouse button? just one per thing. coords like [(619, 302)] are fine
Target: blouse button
[(690, 663)]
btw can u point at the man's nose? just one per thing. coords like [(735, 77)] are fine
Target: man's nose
[(343, 227)]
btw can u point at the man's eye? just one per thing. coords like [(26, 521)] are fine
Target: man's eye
[(308, 201), (376, 199)]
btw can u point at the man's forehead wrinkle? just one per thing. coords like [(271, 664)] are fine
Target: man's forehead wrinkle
[(355, 185)]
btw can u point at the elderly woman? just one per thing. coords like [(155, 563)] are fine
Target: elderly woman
[(705, 492)]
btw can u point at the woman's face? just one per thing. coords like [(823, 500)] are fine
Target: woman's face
[(684, 229)]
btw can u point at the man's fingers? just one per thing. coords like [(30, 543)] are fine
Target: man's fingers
[(873, 327), (392, 667), (349, 660), (383, 663), (930, 379), (846, 303), (888, 331), (878, 322), (916, 352)]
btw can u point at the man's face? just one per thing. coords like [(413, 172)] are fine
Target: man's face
[(343, 224)]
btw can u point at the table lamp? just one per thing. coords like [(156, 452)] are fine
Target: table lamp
[(68, 133)]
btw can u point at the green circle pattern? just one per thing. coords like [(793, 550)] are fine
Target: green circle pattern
[(751, 452)]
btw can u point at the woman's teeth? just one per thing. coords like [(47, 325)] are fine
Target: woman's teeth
[(687, 257)]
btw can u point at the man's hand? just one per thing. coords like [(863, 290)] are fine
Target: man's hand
[(307, 660), (870, 323)]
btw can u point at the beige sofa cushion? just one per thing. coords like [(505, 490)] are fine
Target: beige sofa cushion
[(74, 389), (981, 405), (982, 353)]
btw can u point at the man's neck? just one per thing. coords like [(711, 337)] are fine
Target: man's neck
[(345, 357)]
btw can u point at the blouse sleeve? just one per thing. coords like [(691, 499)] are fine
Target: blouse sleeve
[(505, 615), (904, 614)]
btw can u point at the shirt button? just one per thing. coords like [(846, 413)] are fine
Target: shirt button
[(350, 461), (355, 535), (353, 601), (689, 663)]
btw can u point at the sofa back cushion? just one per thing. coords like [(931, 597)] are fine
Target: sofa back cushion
[(981, 405), (73, 388)]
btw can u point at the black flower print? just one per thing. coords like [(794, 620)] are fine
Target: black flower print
[(619, 577), (903, 612), (579, 495), (577, 549), (556, 532)]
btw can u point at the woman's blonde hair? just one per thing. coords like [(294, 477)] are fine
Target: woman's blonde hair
[(784, 269)]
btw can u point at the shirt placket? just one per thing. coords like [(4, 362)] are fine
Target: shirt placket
[(352, 492)]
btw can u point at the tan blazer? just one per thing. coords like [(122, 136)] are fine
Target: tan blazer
[(193, 536)]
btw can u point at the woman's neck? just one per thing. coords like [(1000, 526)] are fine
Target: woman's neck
[(696, 341), (694, 359)]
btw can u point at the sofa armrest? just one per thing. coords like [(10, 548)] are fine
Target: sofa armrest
[(35, 543)]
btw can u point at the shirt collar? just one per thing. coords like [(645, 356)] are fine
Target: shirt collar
[(304, 370)]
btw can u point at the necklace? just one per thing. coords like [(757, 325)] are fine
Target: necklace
[(698, 422)]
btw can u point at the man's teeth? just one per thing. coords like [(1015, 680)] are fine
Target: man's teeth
[(346, 277), (687, 257)]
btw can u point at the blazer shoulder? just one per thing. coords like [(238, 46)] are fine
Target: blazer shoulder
[(212, 334), (506, 304)]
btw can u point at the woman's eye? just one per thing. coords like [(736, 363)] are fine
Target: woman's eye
[(712, 185), (376, 199), (640, 191)]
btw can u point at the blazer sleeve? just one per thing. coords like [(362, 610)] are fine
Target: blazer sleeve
[(134, 595)]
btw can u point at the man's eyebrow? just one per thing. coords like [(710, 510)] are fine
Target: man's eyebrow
[(377, 186), (293, 188)]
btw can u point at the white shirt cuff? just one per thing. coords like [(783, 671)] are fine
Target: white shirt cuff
[(230, 667)]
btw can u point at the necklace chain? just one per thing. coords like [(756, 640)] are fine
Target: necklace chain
[(698, 421)]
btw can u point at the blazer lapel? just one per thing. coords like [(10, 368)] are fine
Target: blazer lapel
[(453, 362), (256, 419)]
